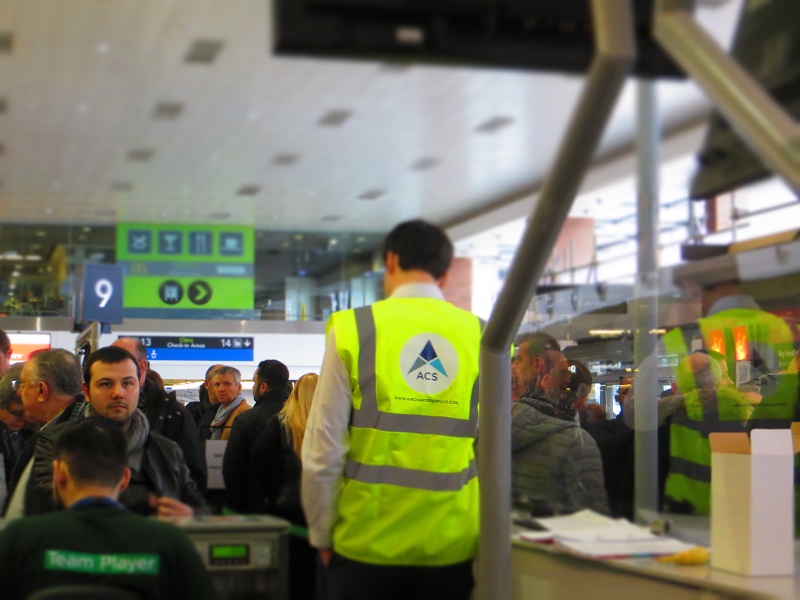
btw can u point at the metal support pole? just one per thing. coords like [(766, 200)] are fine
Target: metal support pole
[(763, 124), (615, 55), (646, 304)]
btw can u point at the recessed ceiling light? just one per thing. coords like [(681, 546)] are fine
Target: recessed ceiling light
[(423, 164), (141, 154), (41, 233), (334, 118), (82, 108), (298, 236), (220, 215), (204, 52), (102, 48), (249, 190), (121, 186), (372, 194), (86, 229), (167, 111), (285, 244), (494, 124), (360, 239), (331, 218), (285, 160), (6, 42)]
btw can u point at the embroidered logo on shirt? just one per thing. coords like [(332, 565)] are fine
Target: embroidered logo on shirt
[(429, 363), (103, 564)]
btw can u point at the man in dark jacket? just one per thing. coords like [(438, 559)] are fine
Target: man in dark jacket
[(160, 481), (166, 415), (270, 390)]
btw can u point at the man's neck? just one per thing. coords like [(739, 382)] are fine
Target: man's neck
[(401, 278), (69, 498)]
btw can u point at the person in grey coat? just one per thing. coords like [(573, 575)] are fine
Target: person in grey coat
[(555, 465)]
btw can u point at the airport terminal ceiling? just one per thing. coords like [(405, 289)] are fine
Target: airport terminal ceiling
[(176, 111)]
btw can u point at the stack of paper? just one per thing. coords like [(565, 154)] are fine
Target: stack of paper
[(587, 532)]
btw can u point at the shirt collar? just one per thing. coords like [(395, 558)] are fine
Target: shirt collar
[(418, 290)]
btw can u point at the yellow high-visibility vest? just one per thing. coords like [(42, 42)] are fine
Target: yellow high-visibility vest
[(410, 489)]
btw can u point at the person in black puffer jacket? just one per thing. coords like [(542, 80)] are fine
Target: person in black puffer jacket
[(278, 450), (239, 466)]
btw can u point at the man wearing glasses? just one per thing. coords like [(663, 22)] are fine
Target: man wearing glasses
[(49, 385)]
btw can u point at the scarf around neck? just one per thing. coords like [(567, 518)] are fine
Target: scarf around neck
[(223, 412), (136, 437)]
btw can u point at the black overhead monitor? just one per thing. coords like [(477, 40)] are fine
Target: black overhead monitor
[(767, 45), (550, 35)]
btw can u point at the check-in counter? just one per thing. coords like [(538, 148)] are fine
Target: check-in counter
[(542, 572)]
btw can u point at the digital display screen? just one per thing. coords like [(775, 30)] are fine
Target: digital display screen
[(229, 551)]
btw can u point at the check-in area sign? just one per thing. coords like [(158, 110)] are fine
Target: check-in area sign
[(204, 348)]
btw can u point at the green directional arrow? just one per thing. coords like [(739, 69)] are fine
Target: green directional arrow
[(199, 292)]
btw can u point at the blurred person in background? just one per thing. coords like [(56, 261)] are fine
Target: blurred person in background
[(240, 465), (277, 453)]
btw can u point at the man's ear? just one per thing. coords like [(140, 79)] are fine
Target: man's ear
[(85, 391), (392, 262), (263, 388), (60, 474), (126, 479)]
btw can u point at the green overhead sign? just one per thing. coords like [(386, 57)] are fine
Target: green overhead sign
[(186, 271)]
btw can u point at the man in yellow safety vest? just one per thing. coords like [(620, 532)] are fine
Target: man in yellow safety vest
[(390, 486)]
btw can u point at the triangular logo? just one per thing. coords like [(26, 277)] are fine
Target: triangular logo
[(429, 357)]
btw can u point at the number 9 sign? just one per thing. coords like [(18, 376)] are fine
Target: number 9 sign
[(101, 298)]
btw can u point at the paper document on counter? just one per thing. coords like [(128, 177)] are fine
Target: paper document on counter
[(592, 534)]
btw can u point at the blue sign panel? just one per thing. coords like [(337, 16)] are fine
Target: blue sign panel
[(205, 349), (101, 294)]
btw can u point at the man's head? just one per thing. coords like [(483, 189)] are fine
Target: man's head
[(90, 458), (48, 383), (697, 371), (139, 352), (580, 380), (416, 251), (557, 376), (5, 352), (269, 375), (227, 384), (212, 396), (531, 367), (111, 383), (12, 413)]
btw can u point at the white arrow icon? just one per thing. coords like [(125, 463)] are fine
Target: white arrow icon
[(247, 343)]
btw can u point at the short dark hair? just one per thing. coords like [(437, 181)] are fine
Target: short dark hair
[(59, 369), (538, 343), (5, 342), (95, 450), (273, 372), (8, 390), (110, 355), (421, 246)]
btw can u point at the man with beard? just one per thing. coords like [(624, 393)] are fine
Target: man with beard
[(239, 467)]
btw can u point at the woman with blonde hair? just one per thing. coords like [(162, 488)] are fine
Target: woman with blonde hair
[(278, 449)]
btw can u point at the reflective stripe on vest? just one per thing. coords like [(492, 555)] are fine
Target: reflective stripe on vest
[(410, 478), (692, 470)]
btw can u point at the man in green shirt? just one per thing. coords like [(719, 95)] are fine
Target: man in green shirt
[(96, 541)]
